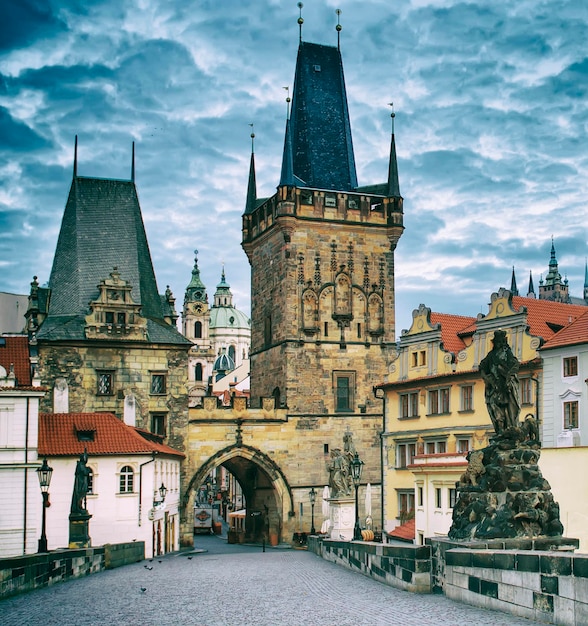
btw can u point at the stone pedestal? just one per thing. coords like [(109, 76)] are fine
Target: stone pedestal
[(342, 517), (79, 536)]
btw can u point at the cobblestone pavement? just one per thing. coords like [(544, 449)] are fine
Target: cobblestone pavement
[(237, 585)]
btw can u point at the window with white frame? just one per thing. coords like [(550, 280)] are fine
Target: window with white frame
[(463, 444), (91, 485), (570, 414), (439, 401), (126, 479), (452, 497), (438, 495), (405, 453), (570, 366), (526, 391), (409, 404), (467, 398)]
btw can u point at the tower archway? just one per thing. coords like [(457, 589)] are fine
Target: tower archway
[(268, 500)]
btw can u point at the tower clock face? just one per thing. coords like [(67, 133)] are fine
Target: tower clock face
[(198, 308)]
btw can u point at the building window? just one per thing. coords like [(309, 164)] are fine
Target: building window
[(420, 492), (267, 331), (158, 384), (109, 317), (105, 383), (405, 453), (126, 479), (198, 372), (438, 446), (422, 358), (414, 359), (121, 319), (463, 445), (570, 366), (344, 383), (158, 423), (438, 497), (409, 404), (526, 391), (467, 398), (418, 358), (439, 401), (330, 200), (571, 415), (90, 482), (198, 330), (405, 505), (452, 498), (232, 353), (326, 331)]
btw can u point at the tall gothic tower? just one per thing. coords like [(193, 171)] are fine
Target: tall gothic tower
[(321, 251)]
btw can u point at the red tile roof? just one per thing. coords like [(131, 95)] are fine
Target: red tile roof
[(545, 317), (58, 436), (404, 532), (15, 351), (451, 325), (574, 334)]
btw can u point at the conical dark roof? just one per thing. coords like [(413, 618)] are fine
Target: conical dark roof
[(320, 131), (102, 228)]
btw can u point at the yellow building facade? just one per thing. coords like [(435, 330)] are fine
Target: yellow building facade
[(435, 410)]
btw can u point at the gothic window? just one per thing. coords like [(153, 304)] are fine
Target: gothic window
[(126, 479), (105, 383), (158, 384), (198, 372), (375, 314), (198, 330), (309, 310)]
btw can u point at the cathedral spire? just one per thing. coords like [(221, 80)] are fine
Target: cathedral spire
[(531, 291), (196, 291), (252, 185), (513, 283), (393, 185)]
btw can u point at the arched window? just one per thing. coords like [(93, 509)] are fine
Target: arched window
[(198, 330), (232, 352), (198, 372), (126, 479)]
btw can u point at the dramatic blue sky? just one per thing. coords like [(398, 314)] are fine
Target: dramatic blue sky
[(491, 129)]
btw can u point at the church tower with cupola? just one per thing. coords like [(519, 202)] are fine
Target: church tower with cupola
[(321, 251)]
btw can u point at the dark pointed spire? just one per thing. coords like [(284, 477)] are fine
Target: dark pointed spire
[(75, 167), (252, 185), (393, 184), (133, 163), (338, 29), (531, 290), (552, 260), (300, 20), (513, 283)]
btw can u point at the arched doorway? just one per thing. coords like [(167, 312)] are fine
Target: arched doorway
[(266, 493)]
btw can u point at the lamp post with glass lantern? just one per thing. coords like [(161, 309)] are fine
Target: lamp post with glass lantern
[(44, 474), (312, 498), (356, 468)]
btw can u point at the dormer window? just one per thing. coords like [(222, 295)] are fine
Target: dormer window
[(86, 435)]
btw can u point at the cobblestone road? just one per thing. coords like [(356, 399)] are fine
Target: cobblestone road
[(237, 585)]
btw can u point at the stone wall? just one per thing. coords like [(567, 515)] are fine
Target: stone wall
[(25, 573), (404, 566), (548, 587)]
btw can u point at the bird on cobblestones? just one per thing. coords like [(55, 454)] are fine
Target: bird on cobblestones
[(147, 567), (143, 589), (189, 558), (159, 561)]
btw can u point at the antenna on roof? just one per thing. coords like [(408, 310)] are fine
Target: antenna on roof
[(338, 29), (300, 20), (75, 170), (133, 164)]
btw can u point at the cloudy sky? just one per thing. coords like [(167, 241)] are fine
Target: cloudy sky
[(491, 101)]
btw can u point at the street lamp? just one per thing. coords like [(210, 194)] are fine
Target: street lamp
[(44, 474), (312, 498), (162, 491), (356, 467)]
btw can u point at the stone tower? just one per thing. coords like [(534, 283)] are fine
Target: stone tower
[(322, 257)]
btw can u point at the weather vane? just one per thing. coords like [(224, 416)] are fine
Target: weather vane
[(300, 20), (392, 115), (338, 28)]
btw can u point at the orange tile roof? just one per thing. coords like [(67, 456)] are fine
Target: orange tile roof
[(404, 532), (545, 317), (15, 350), (58, 436), (574, 334), (451, 325)]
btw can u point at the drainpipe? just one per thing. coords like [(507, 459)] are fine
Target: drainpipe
[(141, 482), (536, 381), (26, 480), (382, 472)]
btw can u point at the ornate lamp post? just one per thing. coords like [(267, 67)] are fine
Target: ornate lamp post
[(356, 467), (162, 493), (312, 498), (44, 474)]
